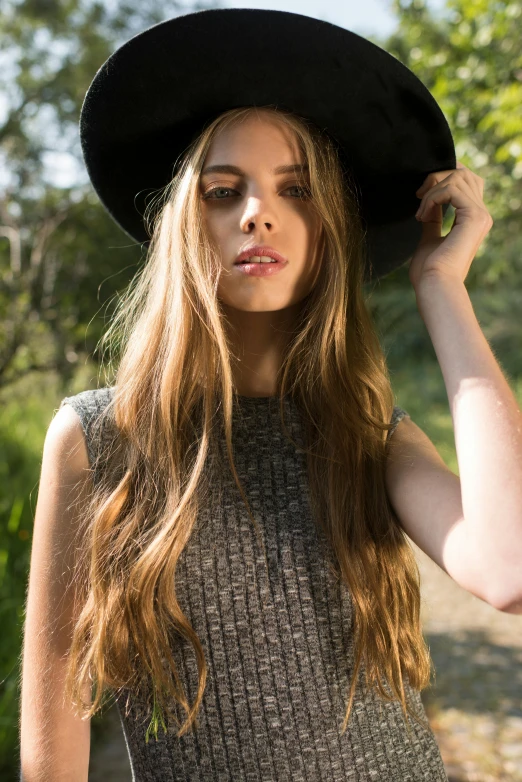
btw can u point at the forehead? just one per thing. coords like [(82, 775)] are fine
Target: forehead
[(258, 137)]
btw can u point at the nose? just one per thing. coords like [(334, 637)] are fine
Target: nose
[(257, 212)]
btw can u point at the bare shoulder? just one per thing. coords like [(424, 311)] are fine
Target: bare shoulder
[(63, 492), (408, 440), (64, 487), (65, 442), (417, 478)]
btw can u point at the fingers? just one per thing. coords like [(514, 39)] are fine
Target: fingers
[(461, 182)]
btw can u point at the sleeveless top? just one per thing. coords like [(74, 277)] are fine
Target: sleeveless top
[(278, 647)]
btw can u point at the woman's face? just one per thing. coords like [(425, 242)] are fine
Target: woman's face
[(260, 206)]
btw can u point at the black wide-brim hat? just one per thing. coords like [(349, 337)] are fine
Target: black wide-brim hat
[(158, 90)]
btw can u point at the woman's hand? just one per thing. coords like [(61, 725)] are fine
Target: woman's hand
[(449, 257)]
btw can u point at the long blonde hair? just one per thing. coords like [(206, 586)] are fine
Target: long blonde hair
[(175, 369)]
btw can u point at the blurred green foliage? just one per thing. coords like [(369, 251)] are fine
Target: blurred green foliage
[(63, 260)]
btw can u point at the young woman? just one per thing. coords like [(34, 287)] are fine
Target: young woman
[(220, 533)]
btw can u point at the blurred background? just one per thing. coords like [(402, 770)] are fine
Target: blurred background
[(63, 261)]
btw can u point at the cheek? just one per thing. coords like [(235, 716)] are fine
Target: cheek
[(217, 230), (209, 221), (220, 221), (314, 232)]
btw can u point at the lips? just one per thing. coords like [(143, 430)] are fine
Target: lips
[(259, 259), (260, 250)]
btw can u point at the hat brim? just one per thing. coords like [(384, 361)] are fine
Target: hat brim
[(158, 90)]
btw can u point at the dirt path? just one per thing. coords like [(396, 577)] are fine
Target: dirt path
[(475, 705)]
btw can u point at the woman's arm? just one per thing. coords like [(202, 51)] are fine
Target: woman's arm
[(54, 743), (487, 423)]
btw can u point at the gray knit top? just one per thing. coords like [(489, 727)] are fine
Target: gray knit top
[(278, 646)]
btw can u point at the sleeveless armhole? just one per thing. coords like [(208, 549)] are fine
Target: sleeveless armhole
[(89, 405), (398, 415)]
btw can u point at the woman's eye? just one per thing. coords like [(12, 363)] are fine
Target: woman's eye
[(304, 190), (214, 192)]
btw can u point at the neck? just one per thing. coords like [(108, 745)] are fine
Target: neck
[(259, 341)]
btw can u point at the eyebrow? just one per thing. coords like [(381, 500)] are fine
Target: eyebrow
[(222, 168)]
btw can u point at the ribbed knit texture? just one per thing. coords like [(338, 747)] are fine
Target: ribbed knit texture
[(279, 647)]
